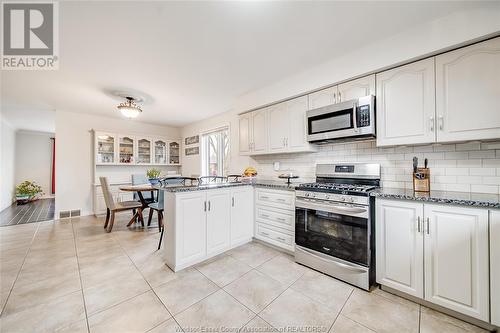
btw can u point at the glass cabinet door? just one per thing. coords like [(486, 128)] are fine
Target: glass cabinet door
[(174, 152), (160, 152), (126, 149), (105, 148), (143, 151)]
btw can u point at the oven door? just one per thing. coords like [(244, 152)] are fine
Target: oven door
[(346, 119), (336, 229)]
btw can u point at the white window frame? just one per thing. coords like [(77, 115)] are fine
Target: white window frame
[(205, 149)]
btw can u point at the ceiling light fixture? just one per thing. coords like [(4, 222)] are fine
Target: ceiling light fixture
[(129, 108)]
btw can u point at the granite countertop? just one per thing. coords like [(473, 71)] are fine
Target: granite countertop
[(280, 185), (456, 198)]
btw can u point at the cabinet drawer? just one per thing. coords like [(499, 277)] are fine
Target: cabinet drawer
[(279, 218), (275, 198), (274, 237)]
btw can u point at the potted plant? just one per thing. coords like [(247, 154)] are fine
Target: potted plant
[(27, 191), (153, 176)]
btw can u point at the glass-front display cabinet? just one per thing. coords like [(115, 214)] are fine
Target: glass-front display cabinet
[(126, 150), (105, 146), (160, 152), (144, 151), (174, 152)]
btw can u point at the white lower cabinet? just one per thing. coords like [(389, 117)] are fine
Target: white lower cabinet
[(241, 215), (218, 221), (435, 252), (202, 224), (495, 266), (399, 244), (275, 217)]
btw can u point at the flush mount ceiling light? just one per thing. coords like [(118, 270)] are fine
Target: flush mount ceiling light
[(129, 108)]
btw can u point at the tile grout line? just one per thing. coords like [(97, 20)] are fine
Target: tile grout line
[(340, 311), (150, 286), (80, 275), (20, 269)]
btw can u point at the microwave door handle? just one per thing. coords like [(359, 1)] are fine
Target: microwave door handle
[(354, 116)]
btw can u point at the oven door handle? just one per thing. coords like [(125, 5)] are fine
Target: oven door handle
[(331, 208), (351, 267)]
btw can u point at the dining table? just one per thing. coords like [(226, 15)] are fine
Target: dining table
[(144, 204)]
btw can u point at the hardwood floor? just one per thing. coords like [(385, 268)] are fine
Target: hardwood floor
[(37, 211)]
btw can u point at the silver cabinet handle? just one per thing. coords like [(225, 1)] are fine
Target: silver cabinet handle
[(340, 97), (334, 98), (232, 201), (428, 227), (280, 200), (264, 197), (431, 120), (209, 205), (281, 239), (264, 233), (418, 224), (205, 206), (281, 219), (264, 215), (441, 123)]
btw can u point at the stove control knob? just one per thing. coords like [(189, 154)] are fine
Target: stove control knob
[(342, 199), (307, 194), (351, 199), (327, 197), (313, 195)]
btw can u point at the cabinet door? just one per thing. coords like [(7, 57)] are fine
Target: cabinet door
[(399, 244), (405, 104), (355, 89), (279, 124), (241, 215), (296, 137), (244, 133), (456, 259), (160, 151), (174, 149), (468, 92), (144, 150), (126, 149), (218, 221), (495, 266), (260, 133), (191, 227), (105, 148), (322, 98)]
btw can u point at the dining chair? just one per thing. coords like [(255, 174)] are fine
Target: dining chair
[(212, 179), (113, 207)]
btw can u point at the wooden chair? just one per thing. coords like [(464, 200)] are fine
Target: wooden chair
[(113, 207)]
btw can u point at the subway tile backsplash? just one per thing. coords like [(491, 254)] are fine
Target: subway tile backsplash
[(465, 167)]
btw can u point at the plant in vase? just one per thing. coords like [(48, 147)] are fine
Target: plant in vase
[(153, 176), (27, 191)]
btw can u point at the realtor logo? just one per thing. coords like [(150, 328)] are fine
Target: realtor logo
[(30, 36)]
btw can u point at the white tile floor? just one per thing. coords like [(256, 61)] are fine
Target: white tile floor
[(71, 276)]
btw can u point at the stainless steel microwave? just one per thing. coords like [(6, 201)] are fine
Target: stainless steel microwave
[(350, 119)]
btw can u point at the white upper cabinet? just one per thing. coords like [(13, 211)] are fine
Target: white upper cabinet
[(160, 151), (105, 148), (354, 89), (279, 123), (126, 149), (144, 150), (456, 259), (406, 104), (322, 98), (245, 138), (468, 92), (260, 139), (399, 243), (297, 138)]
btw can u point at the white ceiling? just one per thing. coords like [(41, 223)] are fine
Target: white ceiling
[(194, 59)]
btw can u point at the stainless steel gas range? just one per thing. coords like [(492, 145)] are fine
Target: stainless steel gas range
[(334, 222)]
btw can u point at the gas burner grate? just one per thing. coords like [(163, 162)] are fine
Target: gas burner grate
[(337, 187)]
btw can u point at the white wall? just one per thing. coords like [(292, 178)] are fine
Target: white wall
[(191, 165), (75, 149), (443, 33), (7, 176), (33, 159)]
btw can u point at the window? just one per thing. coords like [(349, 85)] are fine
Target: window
[(215, 152)]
